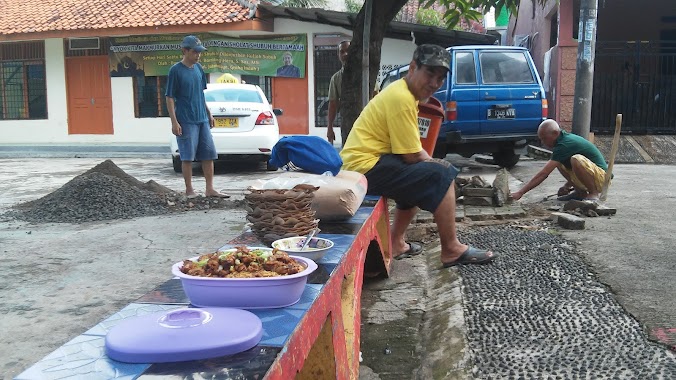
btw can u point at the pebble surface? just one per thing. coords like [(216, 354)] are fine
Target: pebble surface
[(538, 313)]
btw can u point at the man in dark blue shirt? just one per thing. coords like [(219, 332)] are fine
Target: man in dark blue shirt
[(191, 121)]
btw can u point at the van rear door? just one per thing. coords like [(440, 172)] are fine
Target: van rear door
[(464, 91), (511, 92)]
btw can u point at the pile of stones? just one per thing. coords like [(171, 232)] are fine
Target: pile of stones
[(279, 213), (477, 192), (106, 192)]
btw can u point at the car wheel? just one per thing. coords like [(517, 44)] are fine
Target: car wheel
[(270, 167), (178, 165), (506, 158)]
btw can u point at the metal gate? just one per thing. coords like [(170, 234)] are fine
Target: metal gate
[(638, 80)]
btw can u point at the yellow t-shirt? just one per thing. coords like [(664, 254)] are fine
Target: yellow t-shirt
[(387, 125)]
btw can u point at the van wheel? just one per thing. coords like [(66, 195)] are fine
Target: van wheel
[(178, 165), (506, 158), (269, 167)]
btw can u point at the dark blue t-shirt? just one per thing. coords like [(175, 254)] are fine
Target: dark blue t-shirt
[(185, 85)]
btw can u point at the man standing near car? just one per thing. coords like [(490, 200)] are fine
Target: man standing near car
[(191, 121), (334, 97), (385, 146)]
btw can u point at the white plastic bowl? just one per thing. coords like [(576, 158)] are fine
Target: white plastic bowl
[(245, 293), (315, 250)]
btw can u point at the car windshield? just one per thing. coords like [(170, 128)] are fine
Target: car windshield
[(236, 95)]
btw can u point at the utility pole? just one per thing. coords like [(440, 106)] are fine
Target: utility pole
[(584, 79)]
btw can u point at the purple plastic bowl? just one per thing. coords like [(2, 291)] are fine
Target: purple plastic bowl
[(245, 293)]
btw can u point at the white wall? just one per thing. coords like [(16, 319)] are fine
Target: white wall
[(129, 130)]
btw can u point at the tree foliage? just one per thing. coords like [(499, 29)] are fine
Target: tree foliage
[(426, 16), (353, 6)]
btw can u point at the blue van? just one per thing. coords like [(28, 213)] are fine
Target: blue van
[(493, 100)]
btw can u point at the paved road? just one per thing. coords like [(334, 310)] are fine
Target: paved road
[(631, 252)]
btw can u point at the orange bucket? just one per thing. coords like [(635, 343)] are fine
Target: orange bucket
[(430, 116)]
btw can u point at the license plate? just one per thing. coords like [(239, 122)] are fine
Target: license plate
[(226, 122), (503, 113)]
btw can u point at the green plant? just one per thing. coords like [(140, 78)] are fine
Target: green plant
[(428, 17), (353, 6)]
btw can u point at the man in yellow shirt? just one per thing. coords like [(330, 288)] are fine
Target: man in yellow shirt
[(384, 145)]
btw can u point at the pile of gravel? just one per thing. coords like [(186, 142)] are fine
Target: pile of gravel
[(106, 192), (102, 193), (537, 312)]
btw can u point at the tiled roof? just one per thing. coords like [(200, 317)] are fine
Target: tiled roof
[(36, 16)]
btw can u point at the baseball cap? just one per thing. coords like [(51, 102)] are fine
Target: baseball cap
[(194, 43), (432, 55)]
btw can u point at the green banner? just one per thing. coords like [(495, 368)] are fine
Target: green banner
[(279, 56)]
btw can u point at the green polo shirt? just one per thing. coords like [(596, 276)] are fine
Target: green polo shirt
[(568, 144)]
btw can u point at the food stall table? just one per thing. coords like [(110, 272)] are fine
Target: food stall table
[(318, 337)]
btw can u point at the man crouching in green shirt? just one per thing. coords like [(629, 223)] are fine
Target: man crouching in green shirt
[(578, 160)]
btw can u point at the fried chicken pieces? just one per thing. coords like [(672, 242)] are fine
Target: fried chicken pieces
[(243, 263)]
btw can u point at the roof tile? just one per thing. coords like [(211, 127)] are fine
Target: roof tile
[(58, 15)]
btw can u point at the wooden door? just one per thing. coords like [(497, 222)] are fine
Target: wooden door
[(291, 95), (90, 108)]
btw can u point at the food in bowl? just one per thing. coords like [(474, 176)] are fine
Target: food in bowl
[(245, 292), (242, 262), (315, 250)]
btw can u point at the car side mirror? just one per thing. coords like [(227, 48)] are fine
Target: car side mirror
[(277, 111)]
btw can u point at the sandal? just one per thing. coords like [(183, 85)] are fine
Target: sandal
[(414, 249), (472, 256)]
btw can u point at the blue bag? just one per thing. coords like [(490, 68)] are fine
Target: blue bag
[(306, 153)]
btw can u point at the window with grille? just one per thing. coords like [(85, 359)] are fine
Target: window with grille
[(23, 83), (149, 96)]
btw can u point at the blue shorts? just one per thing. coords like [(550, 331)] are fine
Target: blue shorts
[(196, 143), (423, 184)]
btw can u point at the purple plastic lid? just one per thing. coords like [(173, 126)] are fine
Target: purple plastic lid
[(183, 334)]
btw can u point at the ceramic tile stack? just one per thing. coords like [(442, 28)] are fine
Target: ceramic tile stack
[(280, 213)]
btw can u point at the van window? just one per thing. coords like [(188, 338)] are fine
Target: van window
[(393, 76), (464, 68), (387, 81), (505, 67)]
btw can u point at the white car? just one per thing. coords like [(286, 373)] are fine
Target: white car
[(245, 124)]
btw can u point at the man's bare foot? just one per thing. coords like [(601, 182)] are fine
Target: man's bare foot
[(216, 194)]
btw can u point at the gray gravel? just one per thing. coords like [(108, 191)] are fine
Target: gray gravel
[(106, 192), (93, 197), (538, 313)]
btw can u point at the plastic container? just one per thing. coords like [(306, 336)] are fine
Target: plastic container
[(430, 117), (245, 293), (315, 250), (183, 334)]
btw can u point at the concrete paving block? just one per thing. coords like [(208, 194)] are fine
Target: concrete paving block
[(477, 191), (605, 211), (480, 213), (537, 152), (459, 212), (424, 217), (569, 222), (513, 211), (478, 201)]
